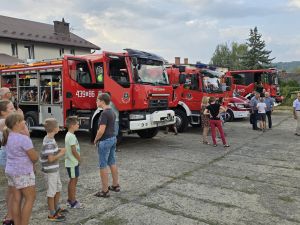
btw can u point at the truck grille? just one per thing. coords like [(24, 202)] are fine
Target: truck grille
[(158, 103)]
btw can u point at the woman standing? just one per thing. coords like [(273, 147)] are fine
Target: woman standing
[(205, 120), (213, 111)]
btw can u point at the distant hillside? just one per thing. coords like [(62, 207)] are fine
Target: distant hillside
[(287, 66)]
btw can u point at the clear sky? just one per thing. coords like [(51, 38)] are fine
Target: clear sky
[(186, 28)]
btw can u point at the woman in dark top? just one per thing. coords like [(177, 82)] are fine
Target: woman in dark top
[(213, 110)]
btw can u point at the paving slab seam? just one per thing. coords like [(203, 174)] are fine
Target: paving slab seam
[(176, 213), (253, 157), (267, 173), (249, 179), (227, 205)]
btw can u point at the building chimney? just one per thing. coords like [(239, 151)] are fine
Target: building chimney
[(177, 60), (62, 28), (186, 61)]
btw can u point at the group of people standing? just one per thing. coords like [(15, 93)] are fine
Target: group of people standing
[(18, 158), (211, 111), (261, 107)]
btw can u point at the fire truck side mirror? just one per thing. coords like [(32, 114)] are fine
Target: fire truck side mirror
[(181, 69), (134, 61), (182, 78)]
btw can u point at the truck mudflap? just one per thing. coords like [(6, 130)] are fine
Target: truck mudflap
[(155, 119)]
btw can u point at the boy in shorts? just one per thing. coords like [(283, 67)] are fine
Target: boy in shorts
[(49, 158), (72, 160)]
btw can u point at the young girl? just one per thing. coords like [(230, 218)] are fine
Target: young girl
[(19, 167), (6, 108), (213, 110), (204, 120)]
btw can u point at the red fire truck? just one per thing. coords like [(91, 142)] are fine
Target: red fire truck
[(245, 81), (190, 85), (70, 86)]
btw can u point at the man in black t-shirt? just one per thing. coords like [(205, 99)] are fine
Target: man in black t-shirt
[(105, 141), (213, 110)]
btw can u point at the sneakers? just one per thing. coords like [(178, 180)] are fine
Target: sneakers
[(8, 222), (74, 205), (61, 211), (56, 218)]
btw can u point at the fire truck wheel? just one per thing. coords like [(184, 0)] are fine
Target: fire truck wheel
[(229, 115), (182, 121), (148, 133), (31, 119)]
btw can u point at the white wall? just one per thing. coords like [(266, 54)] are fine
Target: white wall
[(41, 50), (5, 47)]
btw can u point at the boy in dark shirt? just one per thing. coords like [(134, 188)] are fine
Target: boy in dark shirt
[(106, 145)]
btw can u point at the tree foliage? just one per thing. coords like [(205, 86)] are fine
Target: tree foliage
[(257, 57), (229, 57)]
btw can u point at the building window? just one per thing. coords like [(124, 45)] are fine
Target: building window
[(14, 49), (61, 51), (30, 51), (72, 51)]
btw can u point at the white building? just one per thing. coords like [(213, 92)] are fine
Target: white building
[(29, 41)]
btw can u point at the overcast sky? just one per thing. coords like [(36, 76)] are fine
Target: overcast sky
[(186, 28)]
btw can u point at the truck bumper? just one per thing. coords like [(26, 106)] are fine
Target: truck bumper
[(240, 114), (155, 119)]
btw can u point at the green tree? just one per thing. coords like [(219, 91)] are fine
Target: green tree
[(257, 56), (229, 57), (221, 56), (238, 52)]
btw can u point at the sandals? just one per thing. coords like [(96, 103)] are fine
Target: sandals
[(102, 194), (114, 188), (205, 142)]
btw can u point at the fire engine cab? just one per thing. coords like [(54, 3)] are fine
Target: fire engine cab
[(136, 80), (190, 85)]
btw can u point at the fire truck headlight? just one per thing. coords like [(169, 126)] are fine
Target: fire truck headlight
[(137, 117)]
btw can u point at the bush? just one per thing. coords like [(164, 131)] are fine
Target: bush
[(286, 89)]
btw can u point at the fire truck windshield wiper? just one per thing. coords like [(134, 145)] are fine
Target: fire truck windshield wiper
[(145, 82), (161, 83)]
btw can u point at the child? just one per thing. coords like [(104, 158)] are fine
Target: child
[(19, 167), (49, 157), (6, 107), (261, 107), (72, 160), (213, 110)]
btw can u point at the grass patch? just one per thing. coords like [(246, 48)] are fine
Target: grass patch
[(286, 199), (284, 107)]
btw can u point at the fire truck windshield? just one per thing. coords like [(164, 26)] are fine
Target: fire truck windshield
[(212, 82), (151, 72)]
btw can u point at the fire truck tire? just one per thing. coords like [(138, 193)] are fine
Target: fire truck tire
[(229, 116), (182, 121), (31, 119), (148, 133)]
